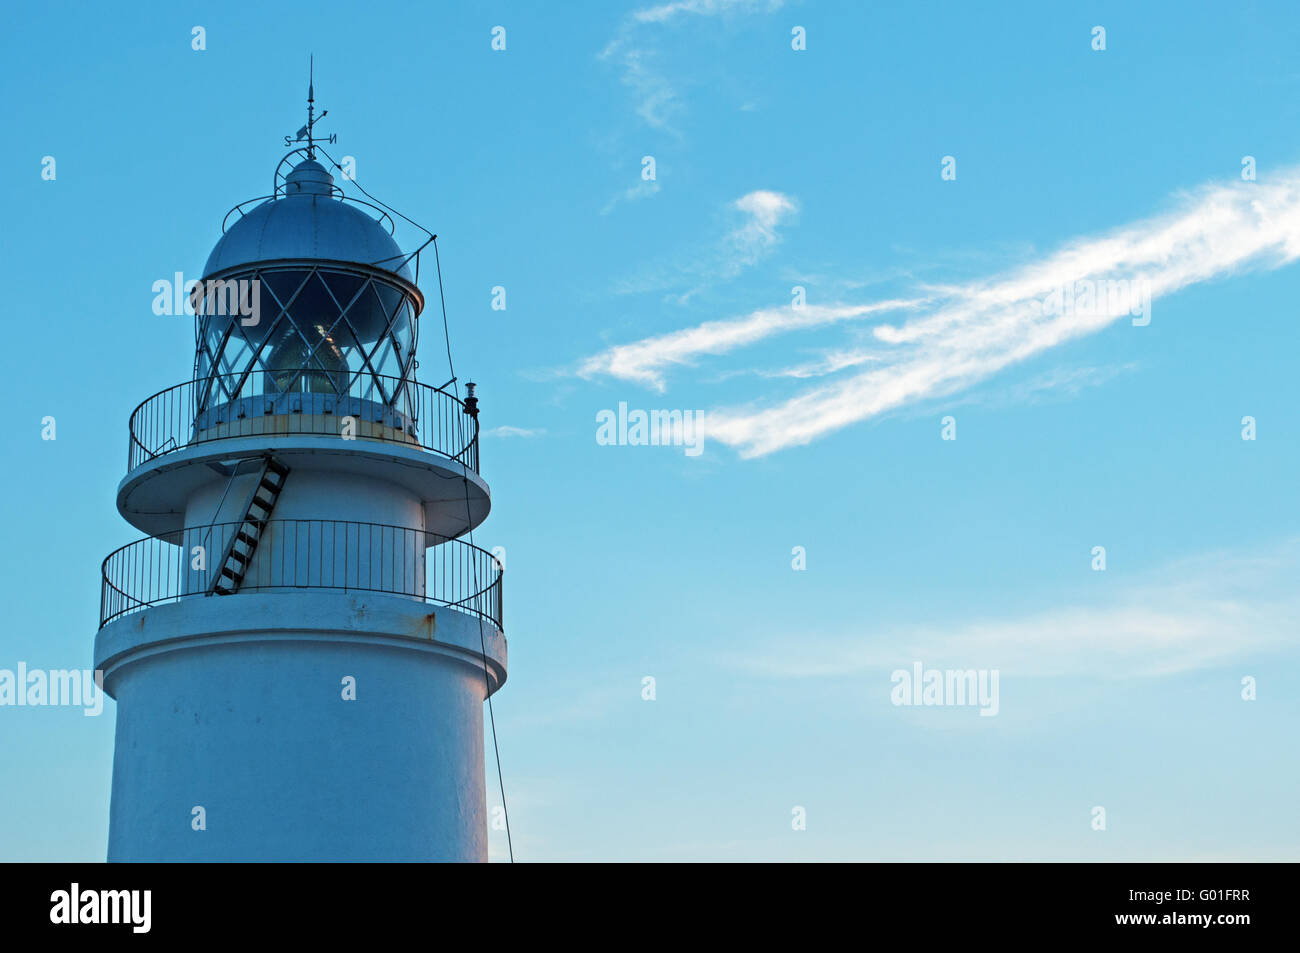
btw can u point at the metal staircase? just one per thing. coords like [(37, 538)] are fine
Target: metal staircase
[(239, 551)]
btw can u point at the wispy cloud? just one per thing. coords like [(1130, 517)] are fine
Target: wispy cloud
[(752, 234), (830, 362), (505, 430), (968, 332), (667, 11), (656, 94), (748, 243), (1059, 383), (656, 98), (647, 360), (1190, 615), (642, 190)]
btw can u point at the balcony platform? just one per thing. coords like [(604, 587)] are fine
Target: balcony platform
[(153, 496)]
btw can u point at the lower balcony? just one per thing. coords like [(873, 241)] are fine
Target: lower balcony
[(300, 554)]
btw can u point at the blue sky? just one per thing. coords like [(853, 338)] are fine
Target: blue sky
[(774, 168)]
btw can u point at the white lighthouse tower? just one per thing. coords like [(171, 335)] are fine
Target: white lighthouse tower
[(301, 646)]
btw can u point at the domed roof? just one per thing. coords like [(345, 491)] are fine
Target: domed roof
[(307, 221)]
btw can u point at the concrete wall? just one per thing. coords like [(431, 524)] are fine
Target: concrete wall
[(368, 556), (311, 493), (235, 705)]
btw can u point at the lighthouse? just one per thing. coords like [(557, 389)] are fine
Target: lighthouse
[(301, 644)]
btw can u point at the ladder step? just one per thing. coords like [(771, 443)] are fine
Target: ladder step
[(269, 486)]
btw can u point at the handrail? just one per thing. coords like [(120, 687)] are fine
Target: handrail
[(383, 221), (232, 405), (296, 554)]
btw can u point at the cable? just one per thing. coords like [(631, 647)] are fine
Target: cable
[(415, 254), (469, 523)]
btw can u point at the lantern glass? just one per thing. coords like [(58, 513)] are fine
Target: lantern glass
[(320, 330)]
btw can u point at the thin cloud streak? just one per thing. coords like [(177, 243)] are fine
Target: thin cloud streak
[(1191, 615), (642, 190), (1059, 383), (657, 98), (830, 363), (983, 327), (645, 361), (667, 11), (506, 430)]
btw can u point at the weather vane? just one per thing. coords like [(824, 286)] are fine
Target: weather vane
[(305, 133)]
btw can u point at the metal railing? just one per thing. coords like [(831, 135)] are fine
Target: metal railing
[(268, 403), (305, 554)]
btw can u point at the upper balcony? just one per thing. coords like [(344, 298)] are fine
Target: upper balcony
[(392, 429), (252, 405)]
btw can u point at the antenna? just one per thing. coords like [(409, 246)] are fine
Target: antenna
[(306, 133)]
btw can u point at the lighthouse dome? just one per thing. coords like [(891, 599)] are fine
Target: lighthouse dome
[(307, 221), (324, 300)]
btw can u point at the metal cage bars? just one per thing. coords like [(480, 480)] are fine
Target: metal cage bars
[(428, 417), (340, 555), (213, 362)]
